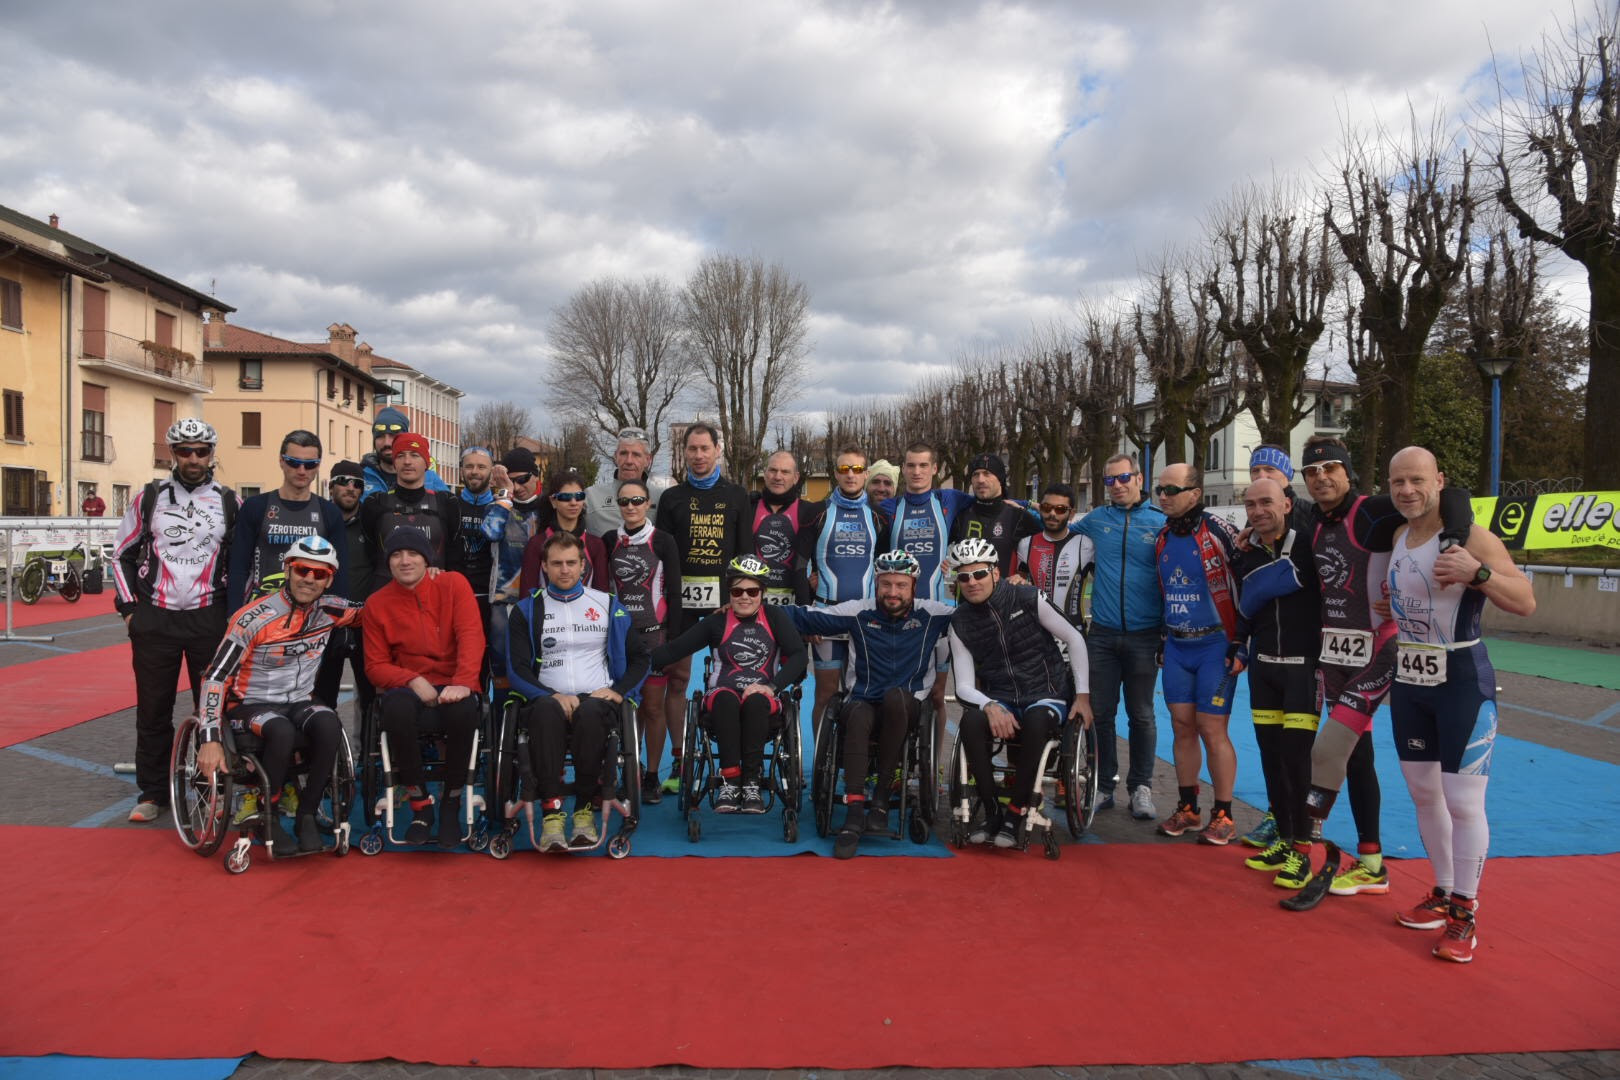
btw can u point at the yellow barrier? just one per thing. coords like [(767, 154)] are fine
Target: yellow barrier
[(1565, 519)]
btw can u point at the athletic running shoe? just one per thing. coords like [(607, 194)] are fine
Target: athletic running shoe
[(1105, 800), (727, 798), (1220, 831), (985, 829), (249, 807), (1263, 835), (1458, 942), (1272, 858), (652, 792), (551, 832), (1295, 872), (672, 786), (289, 799), (1361, 878), (1179, 822), (1427, 914), (585, 834), (877, 821), (752, 801), (421, 826), (145, 811), (1012, 827), (1142, 808)]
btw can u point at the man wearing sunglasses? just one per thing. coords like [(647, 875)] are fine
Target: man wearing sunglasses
[(519, 513), (344, 489), (1123, 639), (272, 521), (410, 503), (388, 425), (632, 460), (261, 681), (169, 571), (1203, 649), (1057, 559), (1012, 682)]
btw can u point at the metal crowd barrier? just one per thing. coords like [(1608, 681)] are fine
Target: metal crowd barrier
[(21, 536)]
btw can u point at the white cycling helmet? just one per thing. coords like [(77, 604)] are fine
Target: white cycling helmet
[(312, 549), (974, 550), (897, 562), (191, 430)]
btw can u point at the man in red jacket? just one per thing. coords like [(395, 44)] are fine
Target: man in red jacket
[(424, 644)]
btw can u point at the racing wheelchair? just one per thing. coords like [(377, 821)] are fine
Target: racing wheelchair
[(207, 806), (381, 786), (1068, 768), (915, 795), (781, 781), (512, 768)]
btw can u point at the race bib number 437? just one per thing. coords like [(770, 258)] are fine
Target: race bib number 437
[(1346, 648), (702, 594)]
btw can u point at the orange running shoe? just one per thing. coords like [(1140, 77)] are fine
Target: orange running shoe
[(1220, 831), (1427, 914), (1183, 819), (1458, 942)]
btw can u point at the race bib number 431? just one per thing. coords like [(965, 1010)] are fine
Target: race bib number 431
[(1419, 664), (702, 594), (1346, 648)]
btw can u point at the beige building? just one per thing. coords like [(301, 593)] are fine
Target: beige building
[(433, 406), (265, 387), (108, 357)]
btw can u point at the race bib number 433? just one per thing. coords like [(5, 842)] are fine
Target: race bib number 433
[(1419, 664), (702, 594), (1346, 648)]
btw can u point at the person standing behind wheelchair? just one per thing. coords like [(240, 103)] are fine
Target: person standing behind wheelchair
[(893, 639), (1010, 680), (757, 654), (424, 647), (573, 657)]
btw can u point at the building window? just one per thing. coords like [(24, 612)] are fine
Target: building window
[(252, 376), (250, 429), (21, 492), (1215, 464), (1330, 410), (331, 385), (120, 505), (14, 416), (162, 420), (93, 435), (247, 491), (348, 390), (10, 304), (95, 322), (163, 329)]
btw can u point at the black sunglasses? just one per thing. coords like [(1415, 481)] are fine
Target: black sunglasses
[(348, 481), (745, 590), (300, 463), (1110, 481), (191, 451), (1171, 490), (632, 500), (569, 496)]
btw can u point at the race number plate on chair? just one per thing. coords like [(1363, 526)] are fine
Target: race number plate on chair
[(1420, 664), (702, 594), (59, 566), (1346, 648)]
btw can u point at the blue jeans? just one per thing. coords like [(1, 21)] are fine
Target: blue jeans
[(1123, 657)]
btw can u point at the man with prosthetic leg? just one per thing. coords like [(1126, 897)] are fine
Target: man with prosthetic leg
[(1443, 705)]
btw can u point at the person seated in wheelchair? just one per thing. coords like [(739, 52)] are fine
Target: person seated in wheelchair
[(572, 656), (892, 639), (262, 680), (424, 643), (757, 654), (1011, 681)]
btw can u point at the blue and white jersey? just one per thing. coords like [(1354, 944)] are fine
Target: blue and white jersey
[(1426, 611), (845, 544), (922, 526)]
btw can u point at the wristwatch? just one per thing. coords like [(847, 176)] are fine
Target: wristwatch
[(1481, 576)]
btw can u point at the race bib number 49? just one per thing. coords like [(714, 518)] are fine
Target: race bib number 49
[(1346, 648), (702, 594), (1418, 664)]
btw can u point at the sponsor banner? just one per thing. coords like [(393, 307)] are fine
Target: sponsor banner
[(1564, 519)]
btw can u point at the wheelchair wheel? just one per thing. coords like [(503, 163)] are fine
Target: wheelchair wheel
[(72, 586), (629, 771), (199, 805), (917, 827), (926, 766), (791, 767), (31, 586), (955, 793), (692, 772), (1078, 769), (342, 795), (824, 769), (370, 767)]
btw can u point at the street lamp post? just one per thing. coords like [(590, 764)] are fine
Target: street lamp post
[(1494, 368)]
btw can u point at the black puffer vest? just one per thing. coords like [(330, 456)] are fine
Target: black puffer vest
[(1015, 660)]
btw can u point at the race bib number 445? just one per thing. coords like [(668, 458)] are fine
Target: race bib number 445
[(1346, 648), (1419, 664), (702, 594)]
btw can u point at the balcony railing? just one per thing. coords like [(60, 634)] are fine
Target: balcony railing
[(121, 353)]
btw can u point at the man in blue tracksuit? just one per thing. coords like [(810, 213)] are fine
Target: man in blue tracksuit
[(1126, 622), (892, 641)]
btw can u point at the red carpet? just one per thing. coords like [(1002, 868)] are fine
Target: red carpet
[(61, 690), (53, 608), (122, 944)]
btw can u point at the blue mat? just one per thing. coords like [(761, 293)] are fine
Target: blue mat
[(66, 1067), (1541, 801)]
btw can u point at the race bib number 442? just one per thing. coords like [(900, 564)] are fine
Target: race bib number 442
[(1419, 664), (1346, 648), (702, 594)]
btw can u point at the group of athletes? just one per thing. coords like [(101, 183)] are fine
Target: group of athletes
[(568, 598)]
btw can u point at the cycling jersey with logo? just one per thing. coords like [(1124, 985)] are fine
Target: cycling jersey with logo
[(845, 543), (573, 642), (776, 536), (281, 522), (1056, 567), (477, 557), (922, 526), (270, 653), (1351, 576), (746, 653), (637, 571), (1195, 571), (711, 526), (183, 567), (432, 512), (1424, 609)]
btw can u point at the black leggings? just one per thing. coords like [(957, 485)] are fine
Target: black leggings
[(1366, 797), (740, 728), (898, 710), (552, 735), (1285, 759), (405, 717), (286, 729), (1035, 727)]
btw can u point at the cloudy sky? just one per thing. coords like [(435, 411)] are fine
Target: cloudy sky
[(943, 175)]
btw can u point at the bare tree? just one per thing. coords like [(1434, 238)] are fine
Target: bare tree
[(1105, 400), (1499, 297), (618, 360), (1565, 140), (1403, 215), (745, 323), (1271, 282), (1188, 362), (497, 425)]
